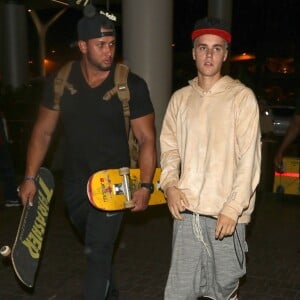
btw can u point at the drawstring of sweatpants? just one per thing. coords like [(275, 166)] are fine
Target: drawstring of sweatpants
[(198, 231)]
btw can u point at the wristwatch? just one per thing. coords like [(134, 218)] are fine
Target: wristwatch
[(148, 186)]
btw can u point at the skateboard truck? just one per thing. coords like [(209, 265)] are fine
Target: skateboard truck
[(124, 172)]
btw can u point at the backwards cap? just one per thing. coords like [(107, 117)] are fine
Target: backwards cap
[(212, 26), (90, 27)]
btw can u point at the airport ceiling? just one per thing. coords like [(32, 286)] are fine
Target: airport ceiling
[(45, 4)]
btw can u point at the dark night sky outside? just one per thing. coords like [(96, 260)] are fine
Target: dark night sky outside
[(256, 24)]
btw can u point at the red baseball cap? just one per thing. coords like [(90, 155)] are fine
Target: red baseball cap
[(212, 26)]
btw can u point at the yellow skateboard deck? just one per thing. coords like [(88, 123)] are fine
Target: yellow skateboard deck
[(112, 189)]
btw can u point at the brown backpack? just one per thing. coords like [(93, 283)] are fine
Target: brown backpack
[(120, 88)]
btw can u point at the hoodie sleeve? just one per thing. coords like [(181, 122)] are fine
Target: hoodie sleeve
[(170, 157), (248, 153)]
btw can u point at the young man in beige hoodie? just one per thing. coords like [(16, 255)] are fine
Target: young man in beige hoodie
[(210, 159)]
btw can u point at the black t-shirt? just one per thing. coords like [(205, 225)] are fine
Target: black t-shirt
[(94, 129)]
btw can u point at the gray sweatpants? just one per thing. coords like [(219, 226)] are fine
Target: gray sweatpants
[(202, 266)]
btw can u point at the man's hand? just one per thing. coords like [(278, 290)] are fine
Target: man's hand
[(177, 202), (26, 191), (225, 226), (141, 199), (278, 162)]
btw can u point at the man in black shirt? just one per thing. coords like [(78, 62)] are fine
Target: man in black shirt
[(95, 139)]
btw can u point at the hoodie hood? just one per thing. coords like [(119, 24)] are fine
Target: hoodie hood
[(223, 84)]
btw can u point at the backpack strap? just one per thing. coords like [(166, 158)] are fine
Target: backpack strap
[(121, 88), (121, 76), (60, 83)]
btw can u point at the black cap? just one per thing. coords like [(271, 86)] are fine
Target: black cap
[(90, 27)]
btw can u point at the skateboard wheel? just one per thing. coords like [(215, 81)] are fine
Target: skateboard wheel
[(124, 171), (5, 251)]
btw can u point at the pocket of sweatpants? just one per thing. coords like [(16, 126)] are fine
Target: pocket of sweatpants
[(240, 244)]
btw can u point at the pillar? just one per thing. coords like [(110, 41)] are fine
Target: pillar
[(15, 46), (147, 48), (221, 9)]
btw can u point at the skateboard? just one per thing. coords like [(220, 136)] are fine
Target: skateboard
[(111, 190), (26, 251)]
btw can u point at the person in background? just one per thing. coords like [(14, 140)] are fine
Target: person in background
[(95, 139), (291, 135), (7, 170), (210, 160)]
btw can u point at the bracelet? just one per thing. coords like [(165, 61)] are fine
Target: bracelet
[(29, 178)]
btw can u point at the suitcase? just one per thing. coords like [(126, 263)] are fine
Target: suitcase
[(287, 181)]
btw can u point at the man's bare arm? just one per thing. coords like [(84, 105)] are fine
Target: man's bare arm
[(144, 130), (37, 149), (291, 135)]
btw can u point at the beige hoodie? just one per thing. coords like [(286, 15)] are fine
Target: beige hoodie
[(210, 148)]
